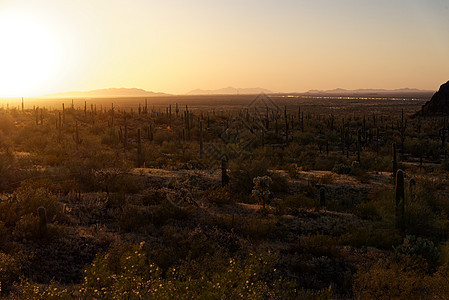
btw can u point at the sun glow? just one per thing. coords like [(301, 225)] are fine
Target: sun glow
[(29, 56)]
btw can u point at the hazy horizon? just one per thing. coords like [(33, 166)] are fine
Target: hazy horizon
[(175, 47), (138, 92)]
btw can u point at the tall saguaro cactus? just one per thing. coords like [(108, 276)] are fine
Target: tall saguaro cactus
[(139, 149), (201, 138), (395, 161), (42, 213), (76, 136), (400, 200), (322, 197)]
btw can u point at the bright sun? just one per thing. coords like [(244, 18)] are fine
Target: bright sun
[(28, 57)]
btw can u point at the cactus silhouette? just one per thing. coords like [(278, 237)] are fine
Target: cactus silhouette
[(322, 197), (400, 200), (42, 213), (224, 175), (395, 161)]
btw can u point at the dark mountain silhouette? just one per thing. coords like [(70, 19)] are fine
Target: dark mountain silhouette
[(438, 104), (107, 93), (230, 91)]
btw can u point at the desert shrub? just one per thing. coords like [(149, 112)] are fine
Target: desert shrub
[(243, 171), (417, 246), (325, 163), (161, 136), (110, 138), (221, 195), (421, 220), (3, 233), (9, 272), (134, 275), (97, 129), (279, 184), (176, 283), (259, 229), (378, 237), (115, 181), (134, 218), (292, 170), (306, 138), (126, 183), (437, 283), (152, 156), (342, 169), (368, 211), (392, 280), (166, 211), (9, 174), (6, 122), (319, 245), (9, 214), (29, 199), (169, 147), (154, 196), (374, 162), (326, 179), (300, 201), (261, 190), (27, 228)]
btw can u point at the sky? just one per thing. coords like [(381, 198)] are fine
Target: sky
[(173, 46)]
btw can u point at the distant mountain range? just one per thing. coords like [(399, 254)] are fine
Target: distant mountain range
[(134, 92), (107, 93), (370, 92), (230, 91)]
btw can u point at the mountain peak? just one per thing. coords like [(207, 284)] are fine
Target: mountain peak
[(106, 93)]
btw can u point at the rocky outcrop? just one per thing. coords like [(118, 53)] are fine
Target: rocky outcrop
[(438, 104)]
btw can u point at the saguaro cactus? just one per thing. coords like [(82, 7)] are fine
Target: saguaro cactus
[(42, 213), (395, 162), (400, 200), (412, 188), (201, 139), (125, 137), (322, 196), (286, 125), (359, 144), (63, 114), (76, 137), (150, 132), (139, 149)]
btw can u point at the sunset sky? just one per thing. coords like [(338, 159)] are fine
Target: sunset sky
[(50, 46)]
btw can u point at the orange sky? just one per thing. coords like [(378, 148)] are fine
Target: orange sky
[(51, 46)]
